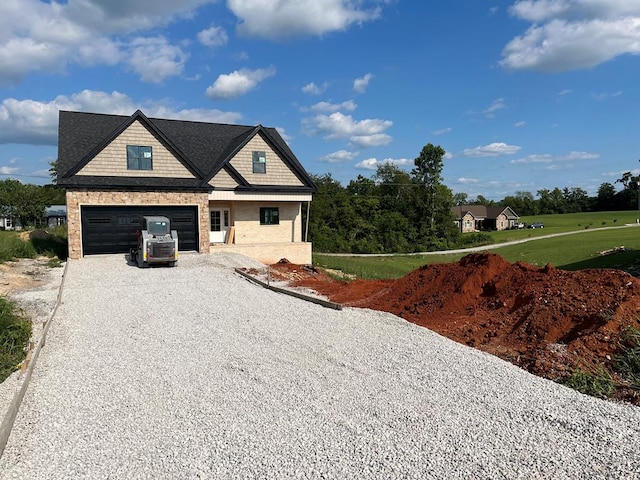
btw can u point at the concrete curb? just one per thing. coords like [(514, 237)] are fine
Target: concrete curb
[(319, 301), (14, 407)]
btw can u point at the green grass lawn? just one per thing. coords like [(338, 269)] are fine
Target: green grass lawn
[(569, 252), (567, 222)]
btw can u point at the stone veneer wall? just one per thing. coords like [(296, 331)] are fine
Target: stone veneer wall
[(79, 198)]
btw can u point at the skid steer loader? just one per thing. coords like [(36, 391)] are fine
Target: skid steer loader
[(157, 243)]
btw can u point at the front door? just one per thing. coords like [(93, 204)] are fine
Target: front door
[(219, 225)]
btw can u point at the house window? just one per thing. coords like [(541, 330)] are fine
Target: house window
[(216, 225), (139, 158), (269, 216), (259, 162)]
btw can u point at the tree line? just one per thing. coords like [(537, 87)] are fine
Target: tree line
[(395, 211), (568, 200), (27, 202)]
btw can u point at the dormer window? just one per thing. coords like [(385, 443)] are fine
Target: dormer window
[(259, 162), (139, 158)]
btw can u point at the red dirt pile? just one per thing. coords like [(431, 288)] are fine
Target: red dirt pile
[(547, 321)]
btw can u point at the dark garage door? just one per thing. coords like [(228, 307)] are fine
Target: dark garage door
[(113, 229)]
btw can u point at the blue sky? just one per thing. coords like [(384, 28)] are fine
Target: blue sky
[(522, 94)]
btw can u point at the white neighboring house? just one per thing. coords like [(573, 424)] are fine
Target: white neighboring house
[(10, 223), (56, 215)]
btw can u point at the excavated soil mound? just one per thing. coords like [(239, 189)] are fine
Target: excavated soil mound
[(545, 320)]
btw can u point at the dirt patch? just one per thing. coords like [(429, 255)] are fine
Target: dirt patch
[(23, 274), (544, 320)]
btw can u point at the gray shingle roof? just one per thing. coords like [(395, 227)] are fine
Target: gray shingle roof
[(482, 212), (204, 148)]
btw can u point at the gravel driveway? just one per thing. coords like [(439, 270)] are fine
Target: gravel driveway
[(193, 372)]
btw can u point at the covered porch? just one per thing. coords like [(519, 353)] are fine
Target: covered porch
[(266, 227)]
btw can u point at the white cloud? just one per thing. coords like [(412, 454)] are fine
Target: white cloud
[(238, 83), (579, 156), (360, 84), (363, 133), (5, 170), (519, 124), (497, 104), (572, 34), (468, 181), (154, 59), (565, 92), (443, 131), (544, 158), (213, 37), (37, 36), (348, 105), (313, 89), (372, 140), (36, 123), (373, 163), (283, 133), (290, 18), (619, 173), (605, 96), (549, 158), (339, 156), (491, 150)]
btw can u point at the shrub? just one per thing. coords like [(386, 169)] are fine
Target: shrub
[(474, 240), (12, 246), (627, 363), (599, 384), (50, 244), (15, 332)]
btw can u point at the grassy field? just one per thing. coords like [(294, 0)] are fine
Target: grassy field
[(568, 222), (570, 252)]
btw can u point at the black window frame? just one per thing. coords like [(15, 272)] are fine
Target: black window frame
[(259, 166), (136, 159), (267, 216)]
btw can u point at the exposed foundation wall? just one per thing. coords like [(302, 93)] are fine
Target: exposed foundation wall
[(269, 253), (78, 198)]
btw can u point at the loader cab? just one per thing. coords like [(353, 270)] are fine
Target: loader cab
[(157, 226)]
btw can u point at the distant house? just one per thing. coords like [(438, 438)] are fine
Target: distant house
[(10, 223), (56, 215), (475, 218)]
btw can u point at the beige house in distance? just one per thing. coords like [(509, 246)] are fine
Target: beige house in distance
[(475, 218), (224, 187)]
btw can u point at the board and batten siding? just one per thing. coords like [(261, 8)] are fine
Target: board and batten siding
[(112, 160), (278, 173)]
